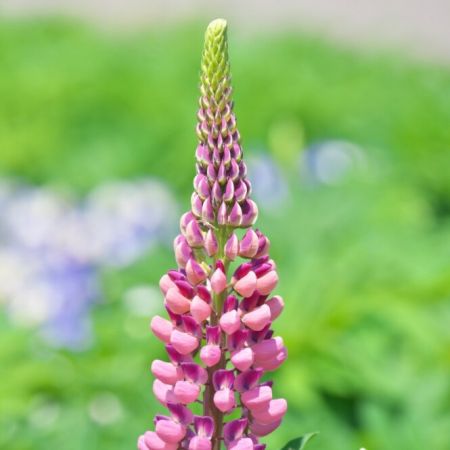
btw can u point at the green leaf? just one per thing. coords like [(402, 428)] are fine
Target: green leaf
[(300, 442)]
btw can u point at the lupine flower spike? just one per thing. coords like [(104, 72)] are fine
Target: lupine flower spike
[(218, 334)]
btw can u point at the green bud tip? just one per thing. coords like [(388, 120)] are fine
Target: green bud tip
[(215, 65)]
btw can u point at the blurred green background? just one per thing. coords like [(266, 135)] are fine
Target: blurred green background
[(363, 253)]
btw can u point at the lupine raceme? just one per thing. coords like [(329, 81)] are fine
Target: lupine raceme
[(220, 304)]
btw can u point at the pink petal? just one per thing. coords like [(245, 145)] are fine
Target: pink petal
[(274, 362), (170, 431), (267, 282), (200, 310), (230, 322), (259, 429), (186, 391), (277, 409), (177, 302), (210, 355), (199, 443), (163, 392), (276, 305), (183, 343), (161, 328), (224, 400), (165, 283), (242, 359), (241, 444), (258, 318), (246, 285), (257, 398), (218, 281), (268, 348), (154, 442), (166, 372)]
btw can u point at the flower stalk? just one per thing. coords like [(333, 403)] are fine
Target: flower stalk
[(218, 334)]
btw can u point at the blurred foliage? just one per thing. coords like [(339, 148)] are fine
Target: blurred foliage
[(364, 265)]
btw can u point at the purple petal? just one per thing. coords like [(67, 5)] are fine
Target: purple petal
[(203, 293), (234, 430), (248, 380), (213, 335), (195, 373), (204, 426), (236, 340), (190, 325), (185, 288), (242, 270), (180, 413), (175, 357), (230, 304), (223, 379)]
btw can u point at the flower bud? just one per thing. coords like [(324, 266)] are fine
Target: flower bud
[(218, 281), (211, 245), (249, 244), (235, 216), (231, 247), (194, 235), (195, 272)]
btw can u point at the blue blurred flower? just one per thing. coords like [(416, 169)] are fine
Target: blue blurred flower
[(52, 247)]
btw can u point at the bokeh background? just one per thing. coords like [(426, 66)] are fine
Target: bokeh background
[(344, 109)]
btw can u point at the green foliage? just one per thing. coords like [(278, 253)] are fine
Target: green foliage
[(299, 443), (364, 264)]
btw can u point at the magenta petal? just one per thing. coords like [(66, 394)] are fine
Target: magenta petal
[(234, 430), (203, 293), (223, 379), (204, 426), (230, 304), (213, 334), (195, 373), (236, 340), (180, 413), (247, 380)]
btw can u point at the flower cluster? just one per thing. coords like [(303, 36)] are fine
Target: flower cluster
[(218, 334)]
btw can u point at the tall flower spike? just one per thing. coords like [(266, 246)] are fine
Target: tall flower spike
[(218, 334)]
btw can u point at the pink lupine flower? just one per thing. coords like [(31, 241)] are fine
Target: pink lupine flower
[(218, 335)]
